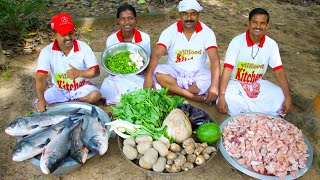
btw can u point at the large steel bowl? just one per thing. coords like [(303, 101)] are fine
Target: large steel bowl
[(252, 173), (116, 48), (69, 165)]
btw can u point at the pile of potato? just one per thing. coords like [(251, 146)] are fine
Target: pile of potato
[(161, 156)]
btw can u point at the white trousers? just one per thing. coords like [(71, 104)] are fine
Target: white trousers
[(185, 77), (268, 101), (113, 86)]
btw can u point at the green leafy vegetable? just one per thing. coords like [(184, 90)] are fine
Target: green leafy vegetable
[(148, 108), (121, 63)]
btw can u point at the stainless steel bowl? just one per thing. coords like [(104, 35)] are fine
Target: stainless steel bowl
[(116, 48), (70, 165), (244, 169)]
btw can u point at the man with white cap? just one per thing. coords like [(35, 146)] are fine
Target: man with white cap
[(188, 42), (71, 64)]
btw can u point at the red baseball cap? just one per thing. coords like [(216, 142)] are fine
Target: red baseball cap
[(62, 23)]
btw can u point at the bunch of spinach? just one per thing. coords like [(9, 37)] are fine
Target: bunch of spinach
[(147, 108), (121, 63)]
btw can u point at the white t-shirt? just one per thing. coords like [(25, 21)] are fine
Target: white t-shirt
[(248, 61), (52, 60), (140, 38), (188, 55)]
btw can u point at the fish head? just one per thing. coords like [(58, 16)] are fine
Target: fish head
[(98, 144), (17, 127), (21, 150), (49, 163), (81, 155)]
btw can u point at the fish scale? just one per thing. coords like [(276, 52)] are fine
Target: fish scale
[(94, 136), (33, 144), (57, 149), (30, 124)]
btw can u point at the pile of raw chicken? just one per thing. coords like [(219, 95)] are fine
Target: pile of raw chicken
[(265, 144)]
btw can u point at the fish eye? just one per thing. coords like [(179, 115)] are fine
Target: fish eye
[(12, 125), (18, 150)]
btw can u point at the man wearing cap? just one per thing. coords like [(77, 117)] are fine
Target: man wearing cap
[(71, 64), (188, 43), (249, 54)]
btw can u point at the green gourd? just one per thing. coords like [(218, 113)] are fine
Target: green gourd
[(208, 132)]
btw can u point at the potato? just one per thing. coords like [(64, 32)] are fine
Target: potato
[(143, 138), (160, 147), (175, 147), (130, 152), (129, 141), (180, 160), (171, 155), (150, 156), (144, 164), (165, 141), (143, 146), (160, 165)]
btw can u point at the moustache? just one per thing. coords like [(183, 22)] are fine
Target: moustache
[(258, 29), (189, 21), (68, 40)]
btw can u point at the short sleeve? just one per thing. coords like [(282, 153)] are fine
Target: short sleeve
[(43, 64), (275, 59), (148, 44), (232, 53), (165, 38), (211, 41), (90, 58)]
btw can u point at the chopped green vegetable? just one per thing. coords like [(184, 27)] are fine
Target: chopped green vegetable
[(121, 63), (148, 108)]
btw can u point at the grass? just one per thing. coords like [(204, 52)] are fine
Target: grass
[(6, 74)]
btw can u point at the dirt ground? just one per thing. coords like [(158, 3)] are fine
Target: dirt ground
[(294, 28)]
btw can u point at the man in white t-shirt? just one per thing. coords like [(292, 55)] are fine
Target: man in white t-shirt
[(71, 63), (188, 43), (113, 86), (242, 88)]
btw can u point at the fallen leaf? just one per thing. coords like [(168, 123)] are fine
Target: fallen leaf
[(89, 30), (141, 1), (32, 33)]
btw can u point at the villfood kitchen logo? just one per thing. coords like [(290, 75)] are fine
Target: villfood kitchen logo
[(187, 55), (249, 72), (67, 83)]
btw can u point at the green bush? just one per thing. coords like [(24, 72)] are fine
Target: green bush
[(18, 17)]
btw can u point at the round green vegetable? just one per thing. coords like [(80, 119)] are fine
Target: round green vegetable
[(208, 132)]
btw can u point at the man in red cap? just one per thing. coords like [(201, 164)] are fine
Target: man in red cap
[(70, 62)]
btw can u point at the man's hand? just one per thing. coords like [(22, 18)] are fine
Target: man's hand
[(41, 105), (73, 73), (287, 105), (222, 105), (211, 95), (149, 83)]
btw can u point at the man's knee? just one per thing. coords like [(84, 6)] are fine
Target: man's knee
[(164, 79), (93, 97)]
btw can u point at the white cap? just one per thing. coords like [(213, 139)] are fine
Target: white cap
[(186, 5)]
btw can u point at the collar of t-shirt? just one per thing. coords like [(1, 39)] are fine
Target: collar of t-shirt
[(137, 36), (55, 46), (250, 43), (180, 29)]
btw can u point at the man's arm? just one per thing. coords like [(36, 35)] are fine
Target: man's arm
[(222, 104), (212, 91), (41, 87), (74, 73), (287, 104), (156, 54)]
